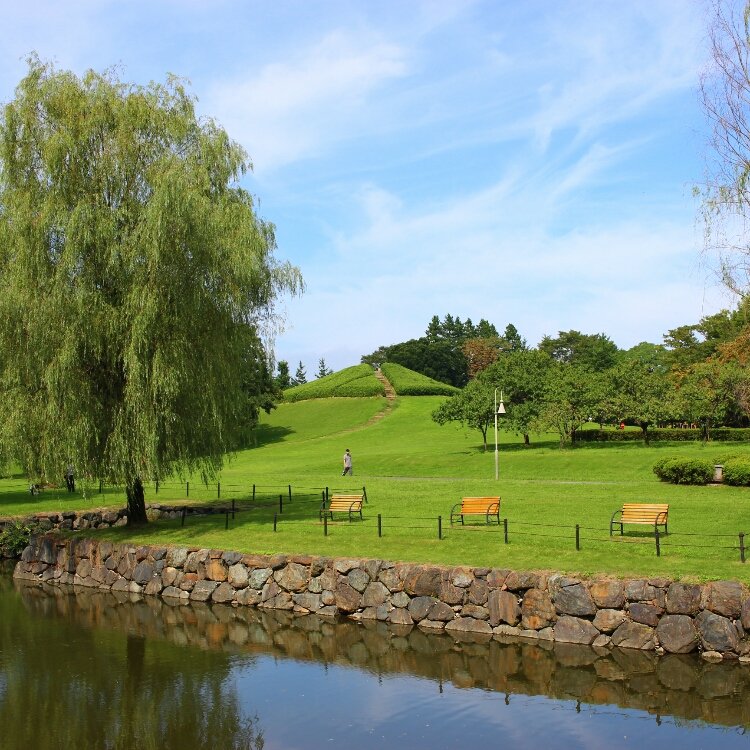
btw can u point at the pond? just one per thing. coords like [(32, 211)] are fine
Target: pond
[(88, 669)]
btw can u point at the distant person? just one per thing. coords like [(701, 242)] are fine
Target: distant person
[(622, 425), (70, 480), (347, 464)]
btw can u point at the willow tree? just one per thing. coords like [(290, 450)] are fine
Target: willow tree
[(725, 95), (137, 283)]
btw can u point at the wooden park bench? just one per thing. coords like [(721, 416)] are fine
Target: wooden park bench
[(489, 507), (645, 514), (342, 504)]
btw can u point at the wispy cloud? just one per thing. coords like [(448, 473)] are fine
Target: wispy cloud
[(522, 162), (290, 110)]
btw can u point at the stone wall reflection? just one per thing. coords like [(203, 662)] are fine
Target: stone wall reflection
[(683, 686)]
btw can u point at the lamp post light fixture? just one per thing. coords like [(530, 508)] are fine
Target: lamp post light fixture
[(499, 409)]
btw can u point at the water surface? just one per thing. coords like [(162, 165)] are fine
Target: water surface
[(93, 670)]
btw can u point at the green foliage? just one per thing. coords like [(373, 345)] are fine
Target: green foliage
[(136, 281), (300, 376), (691, 344), (571, 395), (441, 359), (350, 382), (684, 470), (409, 383), (737, 472), (663, 434), (323, 370), (283, 379), (588, 351), (521, 376), (14, 537), (639, 392)]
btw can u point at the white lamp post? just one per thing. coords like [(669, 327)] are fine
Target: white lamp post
[(498, 410)]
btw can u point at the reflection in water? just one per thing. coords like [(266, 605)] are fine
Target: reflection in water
[(123, 662), (78, 685)]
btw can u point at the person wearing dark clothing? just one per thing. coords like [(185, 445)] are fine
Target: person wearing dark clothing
[(70, 480)]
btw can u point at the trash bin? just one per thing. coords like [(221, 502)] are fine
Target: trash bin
[(718, 473)]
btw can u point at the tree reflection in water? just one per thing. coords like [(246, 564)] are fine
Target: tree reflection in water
[(81, 684), (169, 695)]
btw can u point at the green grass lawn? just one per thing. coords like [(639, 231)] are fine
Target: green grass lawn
[(415, 470)]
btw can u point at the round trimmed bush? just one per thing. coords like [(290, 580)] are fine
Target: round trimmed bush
[(684, 470), (737, 472)]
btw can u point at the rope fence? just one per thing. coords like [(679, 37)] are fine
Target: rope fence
[(262, 499)]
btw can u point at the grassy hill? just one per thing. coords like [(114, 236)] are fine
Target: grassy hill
[(351, 382), (409, 383), (415, 470)]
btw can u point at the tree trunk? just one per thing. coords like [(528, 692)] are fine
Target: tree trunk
[(644, 429), (526, 440), (136, 502)]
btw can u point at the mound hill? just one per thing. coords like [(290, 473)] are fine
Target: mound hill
[(360, 381), (351, 382)]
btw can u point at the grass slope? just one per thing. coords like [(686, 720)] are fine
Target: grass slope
[(415, 471), (406, 382), (352, 382)]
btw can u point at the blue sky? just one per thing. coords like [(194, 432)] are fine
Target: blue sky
[(527, 162)]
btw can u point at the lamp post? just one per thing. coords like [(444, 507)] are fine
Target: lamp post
[(498, 410)]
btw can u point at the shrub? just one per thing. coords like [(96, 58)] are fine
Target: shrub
[(406, 382), (672, 434), (14, 537), (684, 470), (737, 472)]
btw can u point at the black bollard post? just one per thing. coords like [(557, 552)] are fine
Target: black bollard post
[(325, 524), (656, 538), (440, 527), (505, 529), (253, 493), (157, 487), (742, 547), (218, 490), (290, 492), (187, 489), (578, 537), (380, 525), (281, 504)]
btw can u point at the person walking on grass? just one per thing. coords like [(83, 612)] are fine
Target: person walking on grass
[(347, 464)]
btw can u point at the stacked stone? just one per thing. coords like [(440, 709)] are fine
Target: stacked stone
[(73, 520), (647, 614)]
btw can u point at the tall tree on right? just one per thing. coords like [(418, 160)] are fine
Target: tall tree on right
[(725, 95)]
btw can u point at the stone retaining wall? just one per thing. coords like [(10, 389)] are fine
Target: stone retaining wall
[(103, 518), (646, 613)]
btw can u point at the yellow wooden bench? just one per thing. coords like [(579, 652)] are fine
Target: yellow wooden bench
[(342, 504), (645, 514), (489, 507)]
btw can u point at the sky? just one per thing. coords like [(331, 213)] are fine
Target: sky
[(525, 162)]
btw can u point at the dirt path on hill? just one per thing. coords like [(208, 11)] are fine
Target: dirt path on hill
[(390, 402)]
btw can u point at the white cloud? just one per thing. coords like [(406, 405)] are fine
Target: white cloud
[(290, 110)]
